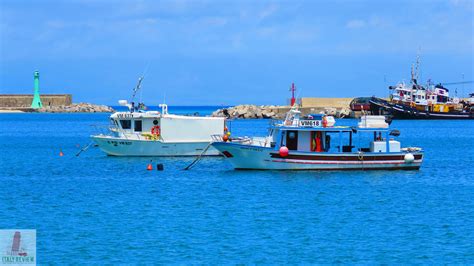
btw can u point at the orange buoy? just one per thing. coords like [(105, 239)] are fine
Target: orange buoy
[(61, 153), (283, 151), (149, 167), (225, 138)]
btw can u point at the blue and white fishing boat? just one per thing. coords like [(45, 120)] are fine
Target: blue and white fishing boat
[(315, 143)]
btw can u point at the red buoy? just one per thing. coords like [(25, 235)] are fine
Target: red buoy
[(61, 153), (225, 138), (149, 167), (283, 151)]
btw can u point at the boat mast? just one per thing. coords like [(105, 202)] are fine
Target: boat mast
[(417, 66), (137, 87), (293, 89)]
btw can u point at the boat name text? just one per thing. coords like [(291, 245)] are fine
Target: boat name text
[(310, 123)]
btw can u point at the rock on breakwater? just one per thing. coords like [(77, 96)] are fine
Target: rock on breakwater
[(248, 111), (77, 108), (252, 111)]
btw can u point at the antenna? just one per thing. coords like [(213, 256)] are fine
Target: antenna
[(137, 87), (462, 90), (417, 73), (139, 83)]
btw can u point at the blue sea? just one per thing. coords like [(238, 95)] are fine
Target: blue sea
[(95, 209)]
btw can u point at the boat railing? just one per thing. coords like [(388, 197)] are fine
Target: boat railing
[(255, 141), (240, 140), (276, 122), (105, 129), (217, 138), (115, 131)]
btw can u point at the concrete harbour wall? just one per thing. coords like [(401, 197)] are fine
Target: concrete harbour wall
[(325, 102), (24, 100)]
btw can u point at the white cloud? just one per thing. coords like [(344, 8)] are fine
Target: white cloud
[(267, 12), (356, 24)]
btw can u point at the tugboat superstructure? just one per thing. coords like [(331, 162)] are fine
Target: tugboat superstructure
[(414, 101)]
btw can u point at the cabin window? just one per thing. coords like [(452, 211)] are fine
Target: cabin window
[(138, 125), (126, 124)]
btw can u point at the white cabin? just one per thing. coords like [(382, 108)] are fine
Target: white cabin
[(153, 133), (173, 128)]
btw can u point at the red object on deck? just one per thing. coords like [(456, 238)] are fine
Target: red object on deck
[(318, 142)]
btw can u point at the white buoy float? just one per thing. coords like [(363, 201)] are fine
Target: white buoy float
[(409, 158)]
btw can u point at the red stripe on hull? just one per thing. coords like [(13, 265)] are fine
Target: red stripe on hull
[(332, 162), (355, 157)]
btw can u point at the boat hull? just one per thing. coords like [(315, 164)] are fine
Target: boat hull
[(126, 147), (397, 111), (260, 158)]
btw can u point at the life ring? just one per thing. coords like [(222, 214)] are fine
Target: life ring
[(155, 130)]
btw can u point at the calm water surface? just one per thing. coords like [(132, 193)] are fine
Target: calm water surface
[(99, 209)]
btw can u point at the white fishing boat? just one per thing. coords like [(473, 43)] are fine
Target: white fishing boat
[(315, 143), (152, 133)]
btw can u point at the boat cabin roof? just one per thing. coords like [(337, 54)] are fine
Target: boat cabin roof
[(331, 129), (157, 115)]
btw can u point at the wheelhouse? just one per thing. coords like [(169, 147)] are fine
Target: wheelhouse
[(317, 134), (134, 123), (337, 140)]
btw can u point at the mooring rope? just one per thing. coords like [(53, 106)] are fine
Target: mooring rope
[(198, 158), (84, 148)]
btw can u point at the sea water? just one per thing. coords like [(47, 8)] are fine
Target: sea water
[(100, 209)]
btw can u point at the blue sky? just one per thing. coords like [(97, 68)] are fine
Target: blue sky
[(231, 52)]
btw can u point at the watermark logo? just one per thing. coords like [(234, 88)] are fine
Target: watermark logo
[(18, 247)]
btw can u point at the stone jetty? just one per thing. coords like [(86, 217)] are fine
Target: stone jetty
[(51, 103), (76, 108), (249, 111)]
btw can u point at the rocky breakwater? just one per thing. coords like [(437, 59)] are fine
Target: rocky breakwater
[(77, 108), (249, 111)]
